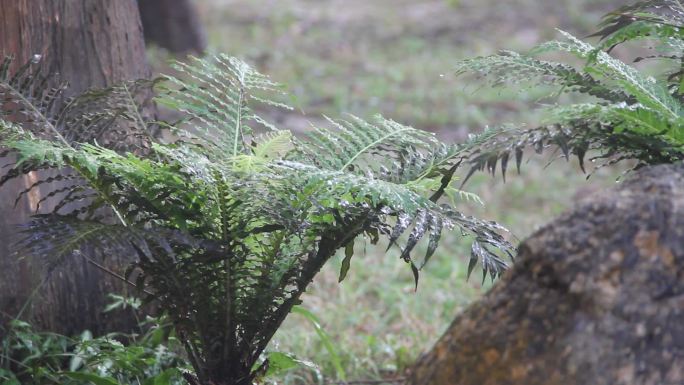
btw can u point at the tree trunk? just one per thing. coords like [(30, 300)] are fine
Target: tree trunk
[(173, 25), (89, 43)]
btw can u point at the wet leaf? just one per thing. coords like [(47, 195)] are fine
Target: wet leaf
[(518, 158), (414, 269), (348, 253), (435, 234), (504, 165)]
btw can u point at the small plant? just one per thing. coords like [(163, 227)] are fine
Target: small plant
[(628, 115), (232, 218), (32, 358)]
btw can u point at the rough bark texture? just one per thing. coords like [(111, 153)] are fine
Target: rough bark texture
[(173, 25), (90, 43), (596, 297)]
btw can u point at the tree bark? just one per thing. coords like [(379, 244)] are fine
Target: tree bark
[(173, 25), (89, 43)]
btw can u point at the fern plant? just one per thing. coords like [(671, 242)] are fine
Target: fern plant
[(231, 218), (626, 113)]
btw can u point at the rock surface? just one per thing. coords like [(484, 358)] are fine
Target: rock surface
[(595, 298)]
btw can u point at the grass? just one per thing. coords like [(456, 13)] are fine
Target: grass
[(390, 56), (394, 57)]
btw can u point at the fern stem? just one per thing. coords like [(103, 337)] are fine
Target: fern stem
[(228, 338), (327, 247), (238, 121), (112, 273)]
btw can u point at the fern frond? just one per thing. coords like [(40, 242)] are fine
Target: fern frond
[(612, 141), (622, 117), (55, 238), (337, 191), (664, 12), (347, 146), (221, 96), (110, 116), (113, 117), (509, 67), (267, 147), (640, 30), (27, 98), (646, 90)]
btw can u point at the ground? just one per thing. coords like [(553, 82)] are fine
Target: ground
[(396, 57)]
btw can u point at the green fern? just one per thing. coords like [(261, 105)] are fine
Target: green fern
[(627, 114), (231, 220)]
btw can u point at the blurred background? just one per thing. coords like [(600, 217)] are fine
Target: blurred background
[(396, 57)]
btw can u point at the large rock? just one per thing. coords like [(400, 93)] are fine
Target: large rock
[(595, 298)]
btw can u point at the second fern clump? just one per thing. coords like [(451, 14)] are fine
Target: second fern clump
[(627, 114)]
